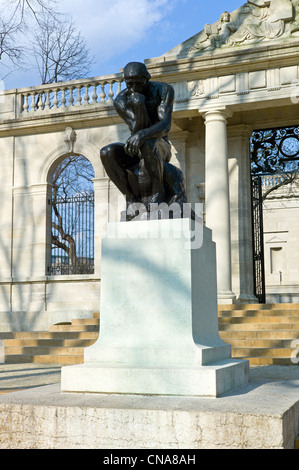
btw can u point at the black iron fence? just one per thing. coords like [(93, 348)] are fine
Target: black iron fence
[(258, 239), (73, 234)]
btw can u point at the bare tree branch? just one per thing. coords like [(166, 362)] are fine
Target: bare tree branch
[(60, 52), (16, 18), (289, 179)]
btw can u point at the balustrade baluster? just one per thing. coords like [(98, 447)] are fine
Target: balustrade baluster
[(48, 102), (110, 93), (55, 101), (94, 94), (71, 98), (33, 104), (119, 82), (103, 94), (40, 104), (86, 96), (79, 98), (26, 104), (63, 98)]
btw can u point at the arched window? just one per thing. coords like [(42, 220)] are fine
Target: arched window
[(72, 250)]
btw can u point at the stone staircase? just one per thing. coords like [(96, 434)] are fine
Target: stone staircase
[(261, 333), (63, 344)]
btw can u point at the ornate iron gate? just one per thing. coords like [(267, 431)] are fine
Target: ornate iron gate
[(258, 239), (273, 152), (73, 234)]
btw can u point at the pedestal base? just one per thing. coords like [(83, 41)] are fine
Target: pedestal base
[(209, 381), (159, 316)]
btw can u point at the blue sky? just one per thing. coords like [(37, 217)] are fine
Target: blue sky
[(123, 30)]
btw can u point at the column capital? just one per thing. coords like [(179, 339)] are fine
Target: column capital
[(239, 130), (220, 113)]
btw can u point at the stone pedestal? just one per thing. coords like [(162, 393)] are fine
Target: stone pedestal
[(159, 320)]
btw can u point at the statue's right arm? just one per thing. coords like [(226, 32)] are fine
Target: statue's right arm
[(121, 107)]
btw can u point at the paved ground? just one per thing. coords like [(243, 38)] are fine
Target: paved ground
[(16, 377)]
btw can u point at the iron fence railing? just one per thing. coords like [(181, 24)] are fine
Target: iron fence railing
[(258, 239), (73, 234)]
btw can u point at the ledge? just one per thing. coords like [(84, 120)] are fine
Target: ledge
[(51, 279)]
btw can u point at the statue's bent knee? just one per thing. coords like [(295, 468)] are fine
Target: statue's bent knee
[(105, 152)]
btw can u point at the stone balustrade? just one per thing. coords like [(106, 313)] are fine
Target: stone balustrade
[(66, 96), (281, 187), (272, 180)]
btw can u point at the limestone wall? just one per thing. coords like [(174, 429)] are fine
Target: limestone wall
[(281, 228)]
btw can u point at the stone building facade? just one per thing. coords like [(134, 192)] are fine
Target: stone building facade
[(235, 76), (281, 228)]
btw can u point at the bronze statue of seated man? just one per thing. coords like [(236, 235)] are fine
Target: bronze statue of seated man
[(140, 168)]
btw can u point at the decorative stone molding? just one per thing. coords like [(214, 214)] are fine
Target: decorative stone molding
[(196, 88), (69, 138)]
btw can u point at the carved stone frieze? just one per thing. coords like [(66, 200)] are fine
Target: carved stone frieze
[(196, 88), (255, 21), (265, 20)]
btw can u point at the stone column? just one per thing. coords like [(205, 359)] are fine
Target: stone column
[(217, 197), (241, 213)]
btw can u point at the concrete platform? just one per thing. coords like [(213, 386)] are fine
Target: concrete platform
[(261, 415)]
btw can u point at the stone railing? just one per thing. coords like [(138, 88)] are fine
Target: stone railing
[(67, 96), (269, 181), (281, 184)]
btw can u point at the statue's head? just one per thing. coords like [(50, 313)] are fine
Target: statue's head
[(136, 76), (225, 17)]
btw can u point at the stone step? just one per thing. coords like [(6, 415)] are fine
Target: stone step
[(258, 326), (74, 327), (45, 359), (260, 333), (85, 321), (258, 313), (261, 319), (41, 351), (285, 306), (229, 335), (48, 342), (66, 334), (261, 343), (247, 352), (268, 361), (64, 343)]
